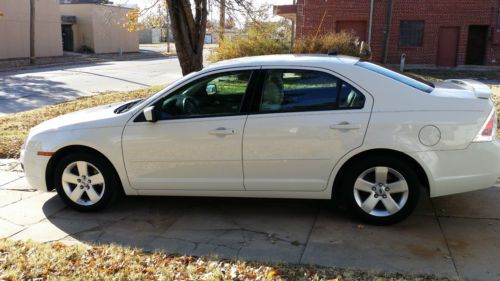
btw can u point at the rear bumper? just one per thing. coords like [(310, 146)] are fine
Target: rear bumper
[(457, 171), (34, 169)]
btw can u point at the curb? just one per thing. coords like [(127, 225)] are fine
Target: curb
[(91, 60)]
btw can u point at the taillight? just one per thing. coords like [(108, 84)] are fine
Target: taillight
[(488, 130)]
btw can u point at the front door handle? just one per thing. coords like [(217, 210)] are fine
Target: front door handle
[(345, 126), (221, 131)]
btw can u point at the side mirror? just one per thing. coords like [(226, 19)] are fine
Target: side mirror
[(150, 114), (211, 89)]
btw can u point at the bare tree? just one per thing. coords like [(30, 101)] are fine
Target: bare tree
[(188, 22), (189, 32)]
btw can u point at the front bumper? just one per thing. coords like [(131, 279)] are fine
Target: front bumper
[(34, 167), (457, 171)]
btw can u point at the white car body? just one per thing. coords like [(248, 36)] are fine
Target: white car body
[(282, 155)]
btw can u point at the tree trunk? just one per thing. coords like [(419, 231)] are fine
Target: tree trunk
[(222, 19), (167, 24), (189, 32)]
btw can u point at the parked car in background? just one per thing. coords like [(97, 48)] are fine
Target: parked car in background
[(283, 126)]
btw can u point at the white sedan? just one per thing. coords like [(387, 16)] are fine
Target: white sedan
[(284, 126)]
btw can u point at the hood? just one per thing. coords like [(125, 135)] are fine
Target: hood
[(95, 117)]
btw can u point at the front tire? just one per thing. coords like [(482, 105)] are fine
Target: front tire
[(381, 190), (86, 181)]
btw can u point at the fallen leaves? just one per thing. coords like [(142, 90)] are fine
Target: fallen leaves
[(49, 261), (271, 274)]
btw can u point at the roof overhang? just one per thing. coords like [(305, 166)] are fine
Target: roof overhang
[(286, 11)]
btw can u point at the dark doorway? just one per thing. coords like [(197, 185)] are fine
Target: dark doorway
[(67, 37), (357, 28), (447, 46), (476, 44)]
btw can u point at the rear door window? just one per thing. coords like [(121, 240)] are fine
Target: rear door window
[(306, 90), (298, 90)]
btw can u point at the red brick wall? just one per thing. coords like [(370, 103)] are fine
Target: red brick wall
[(435, 13)]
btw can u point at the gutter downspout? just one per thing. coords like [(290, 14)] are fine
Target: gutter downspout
[(387, 29), (370, 26), (292, 41), (32, 31), (498, 15)]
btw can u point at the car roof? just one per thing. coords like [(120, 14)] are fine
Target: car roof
[(285, 60)]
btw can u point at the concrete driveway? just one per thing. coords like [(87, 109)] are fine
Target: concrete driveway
[(454, 236), (28, 89)]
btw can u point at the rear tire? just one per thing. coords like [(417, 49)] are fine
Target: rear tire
[(86, 181), (381, 190)]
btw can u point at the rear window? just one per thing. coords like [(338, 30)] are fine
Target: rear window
[(410, 81)]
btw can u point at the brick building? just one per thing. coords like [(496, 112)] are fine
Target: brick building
[(429, 32)]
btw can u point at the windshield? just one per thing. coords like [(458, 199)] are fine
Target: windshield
[(411, 81)]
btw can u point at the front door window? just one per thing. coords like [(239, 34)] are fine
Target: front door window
[(215, 95)]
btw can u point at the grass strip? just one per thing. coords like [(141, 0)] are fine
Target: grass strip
[(57, 261)]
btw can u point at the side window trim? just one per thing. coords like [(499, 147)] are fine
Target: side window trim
[(244, 108), (257, 92), (255, 103), (253, 88)]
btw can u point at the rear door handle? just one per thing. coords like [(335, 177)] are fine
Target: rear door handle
[(345, 126), (222, 131)]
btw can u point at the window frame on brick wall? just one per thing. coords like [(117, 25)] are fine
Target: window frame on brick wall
[(409, 39)]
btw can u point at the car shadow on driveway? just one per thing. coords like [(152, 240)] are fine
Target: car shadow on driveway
[(226, 227), (268, 230)]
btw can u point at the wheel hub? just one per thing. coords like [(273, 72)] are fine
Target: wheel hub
[(84, 182), (380, 189)]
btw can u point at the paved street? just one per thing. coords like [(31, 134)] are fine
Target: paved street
[(455, 236), (28, 89)]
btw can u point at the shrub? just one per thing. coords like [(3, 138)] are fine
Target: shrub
[(85, 50), (263, 38), (342, 43), (274, 38)]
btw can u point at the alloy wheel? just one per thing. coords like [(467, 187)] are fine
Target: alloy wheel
[(83, 183), (381, 191)]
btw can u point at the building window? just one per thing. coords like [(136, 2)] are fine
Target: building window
[(411, 33)]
